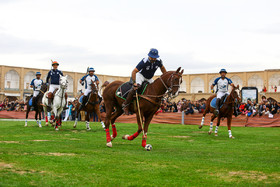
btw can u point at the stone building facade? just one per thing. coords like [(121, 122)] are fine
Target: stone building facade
[(15, 82)]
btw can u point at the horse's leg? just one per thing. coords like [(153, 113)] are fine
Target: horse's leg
[(132, 137), (204, 114), (229, 118), (87, 121), (97, 111), (26, 115), (211, 123), (39, 111), (146, 126), (77, 111), (46, 116), (55, 118), (109, 109), (118, 112), (36, 116), (217, 127)]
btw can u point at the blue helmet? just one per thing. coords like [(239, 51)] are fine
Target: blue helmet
[(223, 70), (153, 53), (91, 69), (38, 73)]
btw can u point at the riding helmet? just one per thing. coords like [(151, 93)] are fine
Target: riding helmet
[(223, 70), (153, 53)]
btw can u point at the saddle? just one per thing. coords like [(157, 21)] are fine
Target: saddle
[(213, 101), (30, 101), (80, 100), (124, 89)]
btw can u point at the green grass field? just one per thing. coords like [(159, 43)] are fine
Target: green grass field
[(182, 155)]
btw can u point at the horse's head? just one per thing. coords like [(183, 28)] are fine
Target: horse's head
[(63, 81), (172, 80), (234, 94), (44, 87), (93, 87)]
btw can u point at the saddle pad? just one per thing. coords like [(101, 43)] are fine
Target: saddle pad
[(81, 99), (213, 102), (30, 101), (124, 89)]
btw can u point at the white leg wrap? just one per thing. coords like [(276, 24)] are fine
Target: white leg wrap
[(202, 121), (87, 125), (217, 128), (211, 126), (229, 133)]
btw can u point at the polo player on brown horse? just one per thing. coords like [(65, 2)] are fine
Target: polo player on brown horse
[(90, 98), (150, 100), (228, 101)]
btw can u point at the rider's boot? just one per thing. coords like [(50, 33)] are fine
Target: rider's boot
[(128, 101), (218, 101), (85, 98), (50, 98)]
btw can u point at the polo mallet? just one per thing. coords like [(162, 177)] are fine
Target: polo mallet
[(140, 117)]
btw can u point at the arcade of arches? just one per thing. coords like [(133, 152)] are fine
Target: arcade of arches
[(15, 81)]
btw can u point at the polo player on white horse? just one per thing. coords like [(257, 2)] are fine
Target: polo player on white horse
[(53, 81)]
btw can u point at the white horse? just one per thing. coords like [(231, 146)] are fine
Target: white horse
[(58, 100)]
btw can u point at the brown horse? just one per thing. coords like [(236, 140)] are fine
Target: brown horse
[(148, 104), (37, 104), (226, 111), (91, 106)]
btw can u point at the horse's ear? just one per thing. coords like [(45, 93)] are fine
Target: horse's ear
[(66, 76), (177, 71), (182, 72), (237, 87)]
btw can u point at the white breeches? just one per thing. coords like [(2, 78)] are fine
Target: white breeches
[(53, 87), (221, 94), (87, 91), (35, 93), (140, 79)]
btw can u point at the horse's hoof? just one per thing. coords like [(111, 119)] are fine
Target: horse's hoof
[(88, 129), (232, 137), (74, 126), (200, 126), (216, 134), (210, 132), (125, 137), (47, 124), (40, 126), (109, 144), (57, 129), (112, 138)]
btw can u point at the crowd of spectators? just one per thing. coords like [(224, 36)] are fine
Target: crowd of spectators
[(267, 107), (188, 106), (17, 105)]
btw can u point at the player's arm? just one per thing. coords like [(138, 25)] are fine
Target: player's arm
[(162, 68), (32, 84)]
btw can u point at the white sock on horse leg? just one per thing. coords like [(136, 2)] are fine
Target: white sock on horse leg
[(202, 121), (87, 124), (216, 130), (211, 126), (229, 133)]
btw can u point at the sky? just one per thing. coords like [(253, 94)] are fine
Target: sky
[(113, 36)]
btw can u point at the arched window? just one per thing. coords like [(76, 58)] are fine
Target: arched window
[(70, 86), (183, 86), (256, 81), (237, 81), (211, 81), (27, 79), (12, 80), (197, 85), (80, 87), (273, 81)]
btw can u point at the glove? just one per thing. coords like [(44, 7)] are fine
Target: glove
[(212, 91)]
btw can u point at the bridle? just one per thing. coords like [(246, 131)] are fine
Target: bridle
[(172, 85)]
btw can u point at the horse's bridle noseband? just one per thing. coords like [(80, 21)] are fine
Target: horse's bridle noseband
[(172, 85)]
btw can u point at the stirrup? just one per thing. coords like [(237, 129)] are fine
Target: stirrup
[(216, 112)]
